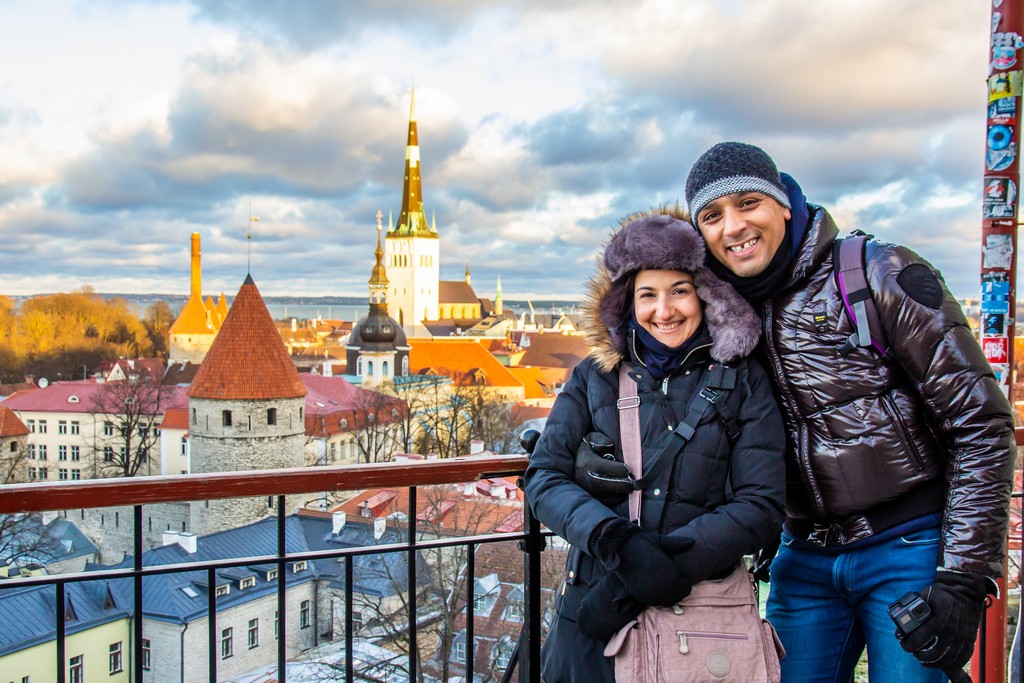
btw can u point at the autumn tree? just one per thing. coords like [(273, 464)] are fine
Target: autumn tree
[(157, 321), (132, 409)]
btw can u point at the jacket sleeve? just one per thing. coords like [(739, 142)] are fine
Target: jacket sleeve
[(757, 486), (930, 339), (553, 496)]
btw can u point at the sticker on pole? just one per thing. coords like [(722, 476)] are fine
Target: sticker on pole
[(1002, 112), (997, 349), (997, 252), (1004, 84), (1000, 200)]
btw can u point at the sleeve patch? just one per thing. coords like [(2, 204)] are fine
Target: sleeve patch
[(921, 285)]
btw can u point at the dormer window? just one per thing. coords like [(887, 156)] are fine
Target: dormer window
[(223, 590), (247, 582), (299, 566), (72, 399), (272, 575)]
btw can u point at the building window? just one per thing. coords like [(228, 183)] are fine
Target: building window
[(184, 445), (108, 428), (247, 582), (514, 610), (76, 474), (193, 416), (343, 423), (75, 426), (147, 655), (62, 452), (31, 451), (42, 451), (32, 474), (299, 566), (76, 669), (271, 417), (357, 621), (304, 614), (42, 430), (76, 453), (227, 645), (108, 454), (480, 604), (225, 418), (333, 451), (116, 660), (62, 474), (222, 590), (62, 426), (502, 655), (44, 473), (254, 633), (459, 651), (32, 426)]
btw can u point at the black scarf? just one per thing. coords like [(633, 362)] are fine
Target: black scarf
[(660, 360), (760, 287)]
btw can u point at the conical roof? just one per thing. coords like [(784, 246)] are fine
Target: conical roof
[(248, 359)]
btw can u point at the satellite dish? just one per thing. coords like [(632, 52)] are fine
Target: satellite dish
[(43, 383)]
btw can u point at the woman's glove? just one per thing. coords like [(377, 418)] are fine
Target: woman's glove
[(647, 571), (946, 640), (597, 472), (606, 608)]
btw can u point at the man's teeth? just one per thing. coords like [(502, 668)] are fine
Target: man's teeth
[(746, 245)]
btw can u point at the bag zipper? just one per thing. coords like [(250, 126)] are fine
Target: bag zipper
[(684, 646)]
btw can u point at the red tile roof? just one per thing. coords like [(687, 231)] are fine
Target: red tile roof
[(10, 425), (175, 418), (248, 359), (79, 396), (459, 358), (555, 350), (333, 399)]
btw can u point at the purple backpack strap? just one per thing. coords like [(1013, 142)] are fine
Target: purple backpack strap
[(629, 431), (851, 277)]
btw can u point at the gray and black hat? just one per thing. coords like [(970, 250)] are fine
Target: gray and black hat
[(730, 167)]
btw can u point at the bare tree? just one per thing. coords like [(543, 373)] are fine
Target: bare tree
[(466, 409), (27, 539), (132, 409)]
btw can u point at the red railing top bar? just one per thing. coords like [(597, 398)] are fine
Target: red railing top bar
[(98, 493), (1018, 435)]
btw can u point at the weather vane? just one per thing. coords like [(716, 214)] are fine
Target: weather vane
[(248, 257)]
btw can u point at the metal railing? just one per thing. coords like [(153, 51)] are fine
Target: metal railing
[(140, 491)]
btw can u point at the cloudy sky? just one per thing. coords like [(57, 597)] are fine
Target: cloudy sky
[(126, 126)]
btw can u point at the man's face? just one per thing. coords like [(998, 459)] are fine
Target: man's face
[(743, 230)]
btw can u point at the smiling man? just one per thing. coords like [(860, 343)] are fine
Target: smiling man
[(897, 463)]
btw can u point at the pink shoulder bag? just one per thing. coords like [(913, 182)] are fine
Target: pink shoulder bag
[(715, 634)]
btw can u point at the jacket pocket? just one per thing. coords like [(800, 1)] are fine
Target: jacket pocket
[(909, 447)]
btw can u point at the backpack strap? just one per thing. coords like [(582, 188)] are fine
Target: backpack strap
[(850, 271)]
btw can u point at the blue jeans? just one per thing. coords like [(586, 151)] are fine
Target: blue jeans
[(826, 609)]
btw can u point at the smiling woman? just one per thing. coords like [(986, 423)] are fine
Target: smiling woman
[(665, 304)]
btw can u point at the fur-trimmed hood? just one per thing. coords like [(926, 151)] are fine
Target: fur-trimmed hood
[(661, 239)]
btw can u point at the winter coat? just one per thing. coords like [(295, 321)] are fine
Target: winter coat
[(726, 496), (874, 441)]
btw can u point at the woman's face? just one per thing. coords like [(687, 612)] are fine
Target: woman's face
[(666, 305)]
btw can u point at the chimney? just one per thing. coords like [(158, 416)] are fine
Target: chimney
[(170, 537), (295, 325), (187, 541), (379, 525), (328, 369), (197, 277), (476, 447), (469, 489), (338, 522)]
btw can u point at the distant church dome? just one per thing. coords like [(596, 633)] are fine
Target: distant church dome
[(377, 331)]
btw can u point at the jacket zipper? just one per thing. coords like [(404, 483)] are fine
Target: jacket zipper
[(902, 432), (684, 645), (803, 445)]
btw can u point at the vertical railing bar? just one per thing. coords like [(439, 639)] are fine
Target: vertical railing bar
[(470, 609), (529, 665), (61, 645), (137, 581), (411, 564), (1020, 573), (282, 552), (349, 622), (211, 608)]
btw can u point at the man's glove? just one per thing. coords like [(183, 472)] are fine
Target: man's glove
[(765, 556), (946, 640), (647, 571), (598, 472)]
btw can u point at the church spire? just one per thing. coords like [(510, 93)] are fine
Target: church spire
[(467, 273), (497, 299), (412, 221), (379, 277)]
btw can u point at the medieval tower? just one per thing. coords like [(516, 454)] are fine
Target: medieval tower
[(412, 248), (246, 408), (196, 327)]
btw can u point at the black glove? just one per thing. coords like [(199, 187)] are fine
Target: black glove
[(763, 559), (946, 640), (606, 608), (647, 572), (598, 473)]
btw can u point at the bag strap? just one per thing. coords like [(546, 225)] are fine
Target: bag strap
[(629, 431), (850, 271)]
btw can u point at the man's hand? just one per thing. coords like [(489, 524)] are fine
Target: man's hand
[(946, 640)]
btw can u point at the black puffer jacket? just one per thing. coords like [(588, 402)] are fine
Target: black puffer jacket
[(728, 497), (875, 440)]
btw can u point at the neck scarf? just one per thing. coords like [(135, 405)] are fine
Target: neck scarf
[(760, 287), (661, 360)]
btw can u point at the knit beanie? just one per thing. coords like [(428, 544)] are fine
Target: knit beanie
[(730, 167)]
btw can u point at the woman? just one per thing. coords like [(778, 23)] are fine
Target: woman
[(653, 306)]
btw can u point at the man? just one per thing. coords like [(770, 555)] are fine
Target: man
[(896, 464)]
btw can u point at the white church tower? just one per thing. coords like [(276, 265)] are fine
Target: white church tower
[(412, 247)]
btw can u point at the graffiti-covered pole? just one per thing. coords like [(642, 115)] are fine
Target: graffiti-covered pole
[(999, 255)]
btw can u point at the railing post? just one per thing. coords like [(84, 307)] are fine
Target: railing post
[(411, 564), (529, 661), (138, 613), (282, 587)]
